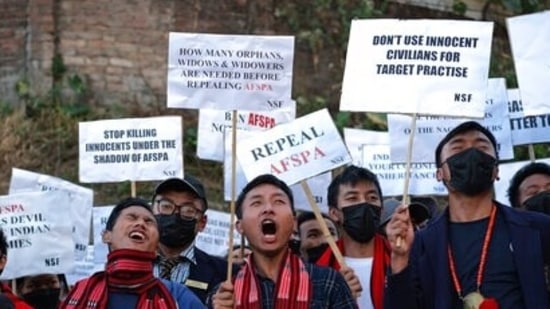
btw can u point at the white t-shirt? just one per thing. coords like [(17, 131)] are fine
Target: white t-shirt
[(362, 268)]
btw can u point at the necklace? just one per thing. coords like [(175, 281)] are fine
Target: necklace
[(474, 299)]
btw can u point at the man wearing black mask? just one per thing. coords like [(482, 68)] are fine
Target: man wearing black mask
[(530, 188), (478, 253), (355, 202), (312, 241), (179, 206), (42, 291)]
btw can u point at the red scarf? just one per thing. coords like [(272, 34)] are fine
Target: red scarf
[(293, 288), (380, 262), (127, 271), (18, 303)]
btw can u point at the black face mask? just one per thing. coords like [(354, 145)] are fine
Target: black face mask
[(294, 245), (176, 232), (361, 221), (539, 202), (43, 298), (471, 171), (313, 254)]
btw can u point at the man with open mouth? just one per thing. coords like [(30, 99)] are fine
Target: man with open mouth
[(272, 276), (132, 235)]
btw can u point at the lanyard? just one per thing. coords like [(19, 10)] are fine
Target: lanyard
[(482, 261)]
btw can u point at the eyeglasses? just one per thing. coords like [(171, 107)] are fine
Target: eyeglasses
[(185, 210)]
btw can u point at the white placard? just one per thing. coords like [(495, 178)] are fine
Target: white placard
[(294, 151), (80, 203), (391, 176), (435, 67), (135, 149), (84, 269), (37, 226), (526, 129), (100, 216), (530, 41), (229, 72), (430, 130), (213, 123), (318, 184), (214, 239), (505, 172), (356, 138)]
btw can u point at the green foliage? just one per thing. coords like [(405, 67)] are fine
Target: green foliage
[(459, 7)]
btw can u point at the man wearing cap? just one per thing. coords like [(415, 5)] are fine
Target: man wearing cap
[(179, 206), (132, 235), (530, 188), (478, 253)]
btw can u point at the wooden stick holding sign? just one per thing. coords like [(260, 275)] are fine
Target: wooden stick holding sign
[(317, 211), (233, 193), (406, 199), (531, 150), (133, 189)]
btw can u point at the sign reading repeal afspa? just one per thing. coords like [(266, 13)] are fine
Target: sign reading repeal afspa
[(214, 123), (430, 130), (530, 41), (391, 176), (294, 151), (435, 67), (80, 202), (135, 149), (356, 138), (229, 72), (526, 129), (37, 226)]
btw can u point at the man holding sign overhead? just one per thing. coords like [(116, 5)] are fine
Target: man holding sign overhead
[(479, 253), (274, 277)]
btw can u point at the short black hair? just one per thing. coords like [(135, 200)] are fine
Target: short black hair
[(307, 216), (3, 243), (460, 129), (524, 172), (128, 202), (351, 175), (260, 180)]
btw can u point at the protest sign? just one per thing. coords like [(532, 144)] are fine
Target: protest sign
[(214, 239), (84, 268), (435, 67), (391, 176), (213, 123), (37, 226), (505, 173), (229, 72), (136, 149), (319, 183), (526, 129), (530, 40), (296, 150), (356, 138), (80, 202), (430, 130), (99, 221)]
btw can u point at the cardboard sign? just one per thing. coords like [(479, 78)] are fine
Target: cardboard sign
[(356, 138), (84, 268), (80, 202), (391, 176), (430, 130), (435, 67), (38, 227), (526, 129), (136, 149), (213, 123), (318, 184), (229, 72), (505, 172), (214, 239), (99, 221), (530, 41), (294, 151)]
